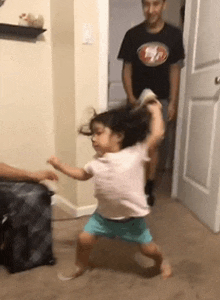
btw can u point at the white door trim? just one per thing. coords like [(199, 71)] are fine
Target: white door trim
[(181, 103), (103, 9)]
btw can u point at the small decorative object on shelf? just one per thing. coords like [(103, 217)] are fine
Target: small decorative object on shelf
[(31, 20), (1, 2)]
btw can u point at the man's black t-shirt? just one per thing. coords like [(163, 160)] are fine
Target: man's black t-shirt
[(151, 55)]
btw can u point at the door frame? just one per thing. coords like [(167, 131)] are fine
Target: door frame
[(103, 10), (186, 32)]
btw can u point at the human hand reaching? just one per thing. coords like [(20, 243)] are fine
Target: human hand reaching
[(43, 175)]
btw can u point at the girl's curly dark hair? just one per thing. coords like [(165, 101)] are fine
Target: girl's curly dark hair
[(132, 123)]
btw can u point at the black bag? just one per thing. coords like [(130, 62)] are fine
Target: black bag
[(25, 214)]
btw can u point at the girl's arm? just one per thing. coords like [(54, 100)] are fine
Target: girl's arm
[(157, 125), (76, 173)]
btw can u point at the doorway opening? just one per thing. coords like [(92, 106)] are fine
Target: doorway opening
[(122, 16)]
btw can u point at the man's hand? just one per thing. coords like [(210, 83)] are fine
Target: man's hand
[(42, 175), (10, 173)]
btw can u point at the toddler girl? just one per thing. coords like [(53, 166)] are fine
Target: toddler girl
[(121, 138)]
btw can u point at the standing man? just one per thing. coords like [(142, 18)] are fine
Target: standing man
[(152, 54)]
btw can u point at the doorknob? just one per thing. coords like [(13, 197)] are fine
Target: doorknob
[(217, 80)]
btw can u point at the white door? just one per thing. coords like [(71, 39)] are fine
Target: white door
[(199, 166)]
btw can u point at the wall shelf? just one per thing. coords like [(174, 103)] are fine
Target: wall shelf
[(23, 31)]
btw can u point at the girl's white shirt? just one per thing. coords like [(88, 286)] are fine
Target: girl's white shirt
[(119, 180)]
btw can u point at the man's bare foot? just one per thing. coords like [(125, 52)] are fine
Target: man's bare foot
[(79, 272)]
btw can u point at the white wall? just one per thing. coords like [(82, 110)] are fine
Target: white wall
[(26, 96), (172, 12)]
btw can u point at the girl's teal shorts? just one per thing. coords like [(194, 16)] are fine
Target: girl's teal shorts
[(131, 230)]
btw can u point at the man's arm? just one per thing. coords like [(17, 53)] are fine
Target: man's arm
[(127, 82), (10, 173), (175, 70), (75, 173)]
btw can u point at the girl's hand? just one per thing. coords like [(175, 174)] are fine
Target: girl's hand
[(54, 161), (154, 106)]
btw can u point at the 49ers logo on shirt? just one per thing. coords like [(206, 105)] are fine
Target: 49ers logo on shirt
[(153, 54)]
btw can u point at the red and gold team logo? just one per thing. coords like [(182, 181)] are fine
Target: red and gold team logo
[(153, 54)]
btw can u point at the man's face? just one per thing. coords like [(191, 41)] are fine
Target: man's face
[(153, 10)]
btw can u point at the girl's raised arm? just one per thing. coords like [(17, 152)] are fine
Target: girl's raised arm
[(157, 129)]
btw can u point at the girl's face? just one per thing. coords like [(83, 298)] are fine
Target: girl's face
[(104, 140)]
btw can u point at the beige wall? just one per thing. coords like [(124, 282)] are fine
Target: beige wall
[(75, 86), (46, 85), (26, 102), (62, 34), (86, 84)]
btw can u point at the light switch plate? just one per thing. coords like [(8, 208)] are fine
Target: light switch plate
[(88, 38)]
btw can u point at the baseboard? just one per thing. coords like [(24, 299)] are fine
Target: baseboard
[(71, 209)]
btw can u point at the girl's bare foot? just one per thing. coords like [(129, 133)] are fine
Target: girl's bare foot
[(166, 270), (79, 272)]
